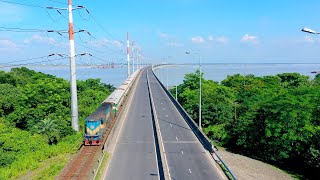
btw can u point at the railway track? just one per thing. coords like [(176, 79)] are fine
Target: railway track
[(86, 161), (80, 165)]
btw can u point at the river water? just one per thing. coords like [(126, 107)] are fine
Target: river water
[(173, 75)]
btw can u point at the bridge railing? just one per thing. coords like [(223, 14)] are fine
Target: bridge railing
[(205, 141)]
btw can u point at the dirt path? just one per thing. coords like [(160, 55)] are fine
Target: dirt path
[(245, 168)]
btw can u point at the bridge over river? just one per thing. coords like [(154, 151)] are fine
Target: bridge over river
[(153, 140)]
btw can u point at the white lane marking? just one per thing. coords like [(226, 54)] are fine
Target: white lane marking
[(196, 136), (177, 138), (181, 152), (164, 108), (156, 120), (171, 125), (190, 171), (161, 103), (167, 115), (124, 118)]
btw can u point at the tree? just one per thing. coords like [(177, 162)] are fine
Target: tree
[(291, 80), (49, 128), (218, 110), (9, 98)]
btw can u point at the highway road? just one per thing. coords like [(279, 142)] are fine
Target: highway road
[(134, 156), (186, 158)]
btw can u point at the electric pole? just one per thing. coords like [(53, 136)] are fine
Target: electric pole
[(73, 79), (137, 59), (128, 53), (133, 57)]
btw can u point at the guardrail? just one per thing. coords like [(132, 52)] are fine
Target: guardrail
[(205, 141)]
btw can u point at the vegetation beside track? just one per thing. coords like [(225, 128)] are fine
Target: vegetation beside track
[(103, 166), (275, 119), (35, 123)]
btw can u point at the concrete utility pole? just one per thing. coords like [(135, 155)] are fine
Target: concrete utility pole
[(137, 59), (128, 53), (73, 82), (133, 57), (73, 79)]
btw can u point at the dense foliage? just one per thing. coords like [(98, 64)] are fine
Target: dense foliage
[(273, 118), (35, 121)]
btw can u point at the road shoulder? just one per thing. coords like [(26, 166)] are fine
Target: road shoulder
[(250, 169)]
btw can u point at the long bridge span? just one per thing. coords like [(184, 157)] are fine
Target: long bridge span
[(153, 140)]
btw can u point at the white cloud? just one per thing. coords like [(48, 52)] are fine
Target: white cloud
[(40, 39), (309, 39), (250, 39), (210, 38), (105, 42), (197, 39), (220, 39), (8, 45), (174, 44), (163, 35)]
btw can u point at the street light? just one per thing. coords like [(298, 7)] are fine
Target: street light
[(167, 68), (200, 88), (307, 30)]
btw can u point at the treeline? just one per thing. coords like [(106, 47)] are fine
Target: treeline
[(35, 121), (275, 119)]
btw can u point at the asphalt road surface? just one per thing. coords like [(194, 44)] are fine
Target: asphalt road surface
[(135, 156), (186, 157)]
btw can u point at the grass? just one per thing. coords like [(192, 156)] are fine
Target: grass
[(48, 169), (102, 167)]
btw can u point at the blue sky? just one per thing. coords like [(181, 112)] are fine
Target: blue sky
[(222, 31)]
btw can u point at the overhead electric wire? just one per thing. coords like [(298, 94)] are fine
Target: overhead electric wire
[(101, 59), (23, 4), (114, 51), (102, 43), (15, 65), (101, 27), (27, 59), (59, 2), (10, 29), (14, 29), (32, 5)]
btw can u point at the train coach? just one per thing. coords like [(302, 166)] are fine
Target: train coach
[(96, 124)]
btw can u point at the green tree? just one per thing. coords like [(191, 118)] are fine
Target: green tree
[(291, 80), (48, 127), (9, 98)]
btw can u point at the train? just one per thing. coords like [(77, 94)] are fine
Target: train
[(96, 124)]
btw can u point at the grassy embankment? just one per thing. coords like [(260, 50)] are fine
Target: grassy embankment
[(36, 136)]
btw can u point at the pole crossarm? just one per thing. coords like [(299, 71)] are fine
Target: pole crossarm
[(64, 55), (66, 9)]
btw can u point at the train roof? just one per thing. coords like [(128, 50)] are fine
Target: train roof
[(116, 95), (100, 113)]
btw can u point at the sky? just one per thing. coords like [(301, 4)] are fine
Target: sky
[(220, 31)]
